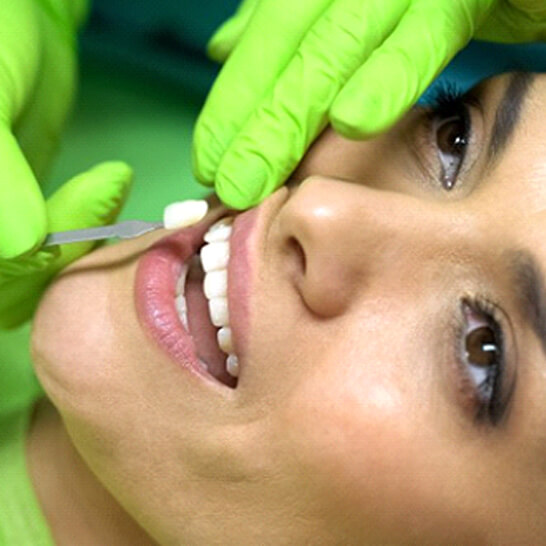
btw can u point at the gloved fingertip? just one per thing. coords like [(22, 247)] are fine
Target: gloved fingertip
[(200, 173), (347, 128), (218, 50), (232, 196), (93, 197), (114, 171), (110, 183), (28, 265), (224, 39), (362, 120), (111, 179), (247, 189), (19, 241)]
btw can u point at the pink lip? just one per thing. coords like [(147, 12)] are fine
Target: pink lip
[(249, 230), (240, 278), (160, 267), (157, 273)]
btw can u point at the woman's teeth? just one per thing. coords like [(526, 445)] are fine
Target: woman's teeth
[(232, 365), (214, 257), (180, 300)]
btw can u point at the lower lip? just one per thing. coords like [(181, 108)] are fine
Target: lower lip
[(155, 290)]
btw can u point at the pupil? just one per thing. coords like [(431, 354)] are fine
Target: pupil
[(451, 139), (481, 347)]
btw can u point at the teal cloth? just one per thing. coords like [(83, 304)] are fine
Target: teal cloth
[(167, 38), (164, 39), (481, 60)]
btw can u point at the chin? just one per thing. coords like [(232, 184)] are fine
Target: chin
[(74, 328)]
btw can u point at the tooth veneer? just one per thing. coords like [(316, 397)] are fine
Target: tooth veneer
[(214, 258)]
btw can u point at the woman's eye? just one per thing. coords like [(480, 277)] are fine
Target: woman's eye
[(482, 350), (451, 136), (483, 358)]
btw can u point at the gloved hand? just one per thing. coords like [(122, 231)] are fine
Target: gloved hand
[(295, 66), (37, 77), (93, 198)]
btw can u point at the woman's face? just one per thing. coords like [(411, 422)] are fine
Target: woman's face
[(388, 310)]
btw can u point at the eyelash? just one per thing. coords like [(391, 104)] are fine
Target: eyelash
[(446, 96), (487, 407)]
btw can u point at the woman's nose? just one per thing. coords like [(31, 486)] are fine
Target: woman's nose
[(347, 236)]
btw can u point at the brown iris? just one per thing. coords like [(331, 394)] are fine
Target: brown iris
[(481, 346)]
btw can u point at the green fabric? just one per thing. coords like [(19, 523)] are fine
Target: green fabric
[(18, 384), (21, 519), (293, 67)]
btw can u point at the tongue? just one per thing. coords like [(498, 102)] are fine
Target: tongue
[(200, 326)]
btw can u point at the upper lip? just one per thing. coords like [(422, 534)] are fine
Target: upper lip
[(250, 230)]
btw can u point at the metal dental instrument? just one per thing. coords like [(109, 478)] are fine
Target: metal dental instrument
[(176, 215), (123, 230)]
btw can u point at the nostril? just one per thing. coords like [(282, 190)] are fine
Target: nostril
[(296, 250)]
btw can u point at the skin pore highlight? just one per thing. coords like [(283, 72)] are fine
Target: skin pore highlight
[(392, 387)]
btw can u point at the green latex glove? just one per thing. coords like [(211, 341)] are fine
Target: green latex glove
[(294, 66), (37, 79), (91, 199)]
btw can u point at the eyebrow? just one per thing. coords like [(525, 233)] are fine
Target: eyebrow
[(530, 291), (509, 113)]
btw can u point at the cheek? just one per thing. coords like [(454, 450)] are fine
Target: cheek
[(351, 420), (362, 441), (77, 331), (74, 308)]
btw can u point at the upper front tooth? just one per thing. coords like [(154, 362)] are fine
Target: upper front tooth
[(218, 310), (220, 231), (215, 284), (215, 256)]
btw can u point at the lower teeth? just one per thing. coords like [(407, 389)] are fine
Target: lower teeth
[(232, 365), (180, 303), (232, 362)]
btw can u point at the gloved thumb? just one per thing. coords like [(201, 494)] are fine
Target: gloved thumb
[(225, 39), (90, 199)]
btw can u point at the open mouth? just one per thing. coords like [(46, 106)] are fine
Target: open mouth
[(183, 284), (202, 305)]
